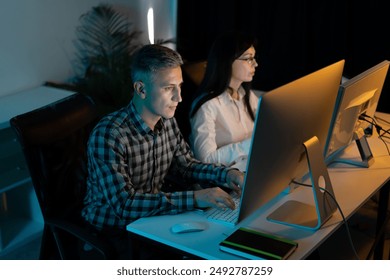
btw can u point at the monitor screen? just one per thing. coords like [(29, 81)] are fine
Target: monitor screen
[(359, 95), (287, 117)]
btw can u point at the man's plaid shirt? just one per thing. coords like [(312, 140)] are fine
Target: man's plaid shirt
[(127, 164)]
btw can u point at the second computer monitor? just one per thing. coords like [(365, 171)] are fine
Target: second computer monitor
[(289, 119), (357, 96)]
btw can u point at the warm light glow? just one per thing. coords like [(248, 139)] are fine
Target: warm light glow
[(151, 25)]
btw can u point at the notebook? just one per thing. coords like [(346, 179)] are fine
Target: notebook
[(253, 244)]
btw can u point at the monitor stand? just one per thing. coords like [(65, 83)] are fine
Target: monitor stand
[(367, 159), (303, 215), (366, 156)]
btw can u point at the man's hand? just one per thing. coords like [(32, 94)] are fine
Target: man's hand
[(216, 197), (213, 197), (235, 180)]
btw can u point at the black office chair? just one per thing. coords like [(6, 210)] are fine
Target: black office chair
[(53, 140), (193, 73)]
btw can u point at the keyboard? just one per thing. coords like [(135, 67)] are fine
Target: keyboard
[(228, 216)]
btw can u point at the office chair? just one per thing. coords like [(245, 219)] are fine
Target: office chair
[(193, 73), (53, 140)]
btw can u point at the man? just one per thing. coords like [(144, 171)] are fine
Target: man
[(132, 151)]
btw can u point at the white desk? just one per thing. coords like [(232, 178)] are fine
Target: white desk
[(352, 186)]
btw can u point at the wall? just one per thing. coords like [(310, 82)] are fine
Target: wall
[(37, 36), (294, 37)]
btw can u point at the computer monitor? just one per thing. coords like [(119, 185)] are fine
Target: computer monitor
[(357, 96), (290, 131)]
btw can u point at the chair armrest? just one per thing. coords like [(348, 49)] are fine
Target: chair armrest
[(83, 234)]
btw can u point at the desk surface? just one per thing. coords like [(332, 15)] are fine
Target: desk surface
[(28, 100), (352, 186)]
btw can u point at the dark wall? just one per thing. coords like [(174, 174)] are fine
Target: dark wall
[(295, 37)]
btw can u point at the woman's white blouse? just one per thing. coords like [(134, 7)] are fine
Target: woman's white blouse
[(221, 129)]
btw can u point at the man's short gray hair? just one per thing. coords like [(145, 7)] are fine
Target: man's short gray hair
[(152, 58)]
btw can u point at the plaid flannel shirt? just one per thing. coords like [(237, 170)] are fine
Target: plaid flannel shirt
[(127, 164)]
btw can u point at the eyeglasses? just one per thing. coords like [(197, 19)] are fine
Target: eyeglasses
[(251, 60)]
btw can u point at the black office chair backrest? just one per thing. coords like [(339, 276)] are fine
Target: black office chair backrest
[(54, 139)]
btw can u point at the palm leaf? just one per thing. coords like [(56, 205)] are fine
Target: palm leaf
[(104, 47)]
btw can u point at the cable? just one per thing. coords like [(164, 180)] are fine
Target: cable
[(341, 213), (385, 121), (373, 122), (381, 119), (381, 132), (384, 142), (384, 132)]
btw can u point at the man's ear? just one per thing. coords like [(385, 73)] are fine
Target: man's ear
[(139, 89)]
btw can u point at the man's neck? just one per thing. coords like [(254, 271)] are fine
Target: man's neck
[(149, 118)]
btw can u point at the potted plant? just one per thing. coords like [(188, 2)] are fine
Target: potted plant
[(104, 46)]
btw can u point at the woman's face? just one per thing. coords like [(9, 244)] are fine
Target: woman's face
[(243, 68)]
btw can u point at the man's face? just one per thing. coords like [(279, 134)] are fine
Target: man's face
[(163, 93)]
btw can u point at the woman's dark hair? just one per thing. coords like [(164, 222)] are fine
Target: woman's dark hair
[(225, 50)]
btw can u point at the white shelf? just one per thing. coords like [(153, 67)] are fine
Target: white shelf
[(21, 232), (20, 216), (25, 101)]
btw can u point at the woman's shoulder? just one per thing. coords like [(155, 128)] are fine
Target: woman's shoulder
[(257, 93), (213, 102)]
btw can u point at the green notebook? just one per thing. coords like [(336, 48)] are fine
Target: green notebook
[(252, 244)]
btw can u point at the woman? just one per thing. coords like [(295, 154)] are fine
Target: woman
[(223, 111)]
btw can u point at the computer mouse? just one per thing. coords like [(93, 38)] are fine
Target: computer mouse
[(188, 227)]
